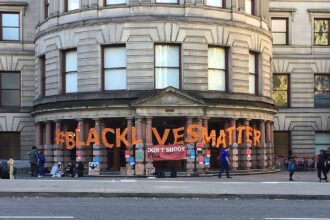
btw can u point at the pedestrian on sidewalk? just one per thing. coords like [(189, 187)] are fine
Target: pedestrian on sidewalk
[(41, 164), (33, 156), (291, 165), (322, 166), (224, 159)]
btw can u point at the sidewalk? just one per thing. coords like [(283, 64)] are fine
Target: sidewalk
[(267, 186)]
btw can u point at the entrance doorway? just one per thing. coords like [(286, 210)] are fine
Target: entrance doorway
[(10, 143)]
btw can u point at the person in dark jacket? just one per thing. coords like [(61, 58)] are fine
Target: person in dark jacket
[(41, 164), (224, 159), (33, 156), (322, 166), (291, 165)]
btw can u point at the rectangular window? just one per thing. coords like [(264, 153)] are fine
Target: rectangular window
[(321, 32), (115, 68), (322, 141), (167, 66), (71, 5), (115, 2), (42, 69), (216, 3), (168, 1), (280, 31), (70, 84), (217, 69), (10, 145), (322, 90), (249, 7), (10, 89), (46, 8), (253, 73), (281, 90), (9, 26)]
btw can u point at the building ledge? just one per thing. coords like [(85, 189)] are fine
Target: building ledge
[(24, 4), (282, 10)]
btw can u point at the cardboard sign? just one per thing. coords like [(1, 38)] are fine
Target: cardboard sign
[(166, 152), (94, 168), (139, 155), (208, 153), (201, 160), (206, 161), (127, 154), (192, 154), (249, 152), (131, 161)]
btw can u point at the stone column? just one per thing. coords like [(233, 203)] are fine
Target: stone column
[(58, 148), (88, 149), (190, 166), (206, 146), (233, 150), (66, 153), (140, 168), (49, 148), (99, 152), (272, 151), (38, 136), (80, 150), (199, 167), (147, 127), (262, 150), (269, 146), (245, 160), (254, 150)]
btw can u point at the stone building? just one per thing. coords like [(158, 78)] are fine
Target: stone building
[(301, 68), (157, 63)]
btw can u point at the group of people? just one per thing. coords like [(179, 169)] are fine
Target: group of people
[(37, 162), (323, 165)]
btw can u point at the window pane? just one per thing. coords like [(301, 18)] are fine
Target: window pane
[(217, 80), (252, 63), (280, 82), (217, 58), (167, 1), (71, 61), (71, 82), (10, 20), (10, 81), (248, 6), (321, 26), (252, 84), (167, 77), (11, 98), (73, 5), (10, 33), (321, 38), (280, 98), (278, 25), (115, 79), (216, 3), (113, 2), (167, 56), (322, 91), (279, 38), (115, 57)]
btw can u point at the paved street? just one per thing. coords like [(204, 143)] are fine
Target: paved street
[(148, 208)]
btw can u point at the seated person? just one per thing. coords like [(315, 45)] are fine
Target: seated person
[(69, 170), (79, 169), (57, 170)]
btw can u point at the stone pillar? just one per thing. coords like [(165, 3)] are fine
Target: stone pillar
[(99, 152), (233, 150), (48, 147), (58, 148), (245, 160), (66, 153), (147, 129), (272, 151), (254, 150), (88, 149), (269, 145), (199, 154), (38, 136), (190, 166), (80, 150), (206, 146), (262, 149)]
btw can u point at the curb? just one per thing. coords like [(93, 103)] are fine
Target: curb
[(160, 195)]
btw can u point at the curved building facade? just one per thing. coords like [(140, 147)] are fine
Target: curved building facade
[(154, 64)]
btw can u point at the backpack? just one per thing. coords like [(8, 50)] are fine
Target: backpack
[(291, 166)]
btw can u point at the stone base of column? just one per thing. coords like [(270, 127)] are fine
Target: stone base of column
[(49, 155), (66, 157), (254, 158), (244, 160), (270, 157), (101, 153), (262, 158), (58, 154), (233, 158), (190, 166), (150, 169)]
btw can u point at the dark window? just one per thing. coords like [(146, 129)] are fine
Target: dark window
[(217, 69), (167, 66), (70, 72), (46, 5), (114, 68), (322, 90), (10, 143), (253, 73), (42, 66), (10, 89), (321, 32), (282, 144), (9, 26), (281, 90), (71, 5), (216, 3), (280, 31)]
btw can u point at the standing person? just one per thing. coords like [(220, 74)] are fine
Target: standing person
[(41, 164), (291, 164), (322, 166), (11, 169), (224, 157), (33, 156)]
